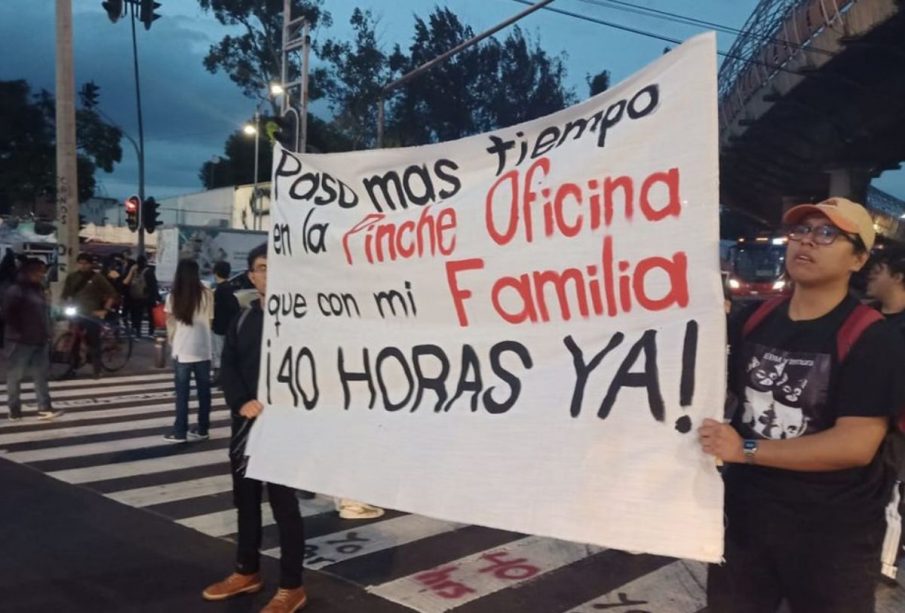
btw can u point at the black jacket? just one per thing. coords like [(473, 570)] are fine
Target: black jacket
[(26, 314), (240, 362), (226, 306)]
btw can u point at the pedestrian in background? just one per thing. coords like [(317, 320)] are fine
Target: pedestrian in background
[(8, 273), (143, 295), (27, 321), (886, 283), (189, 309), (226, 308)]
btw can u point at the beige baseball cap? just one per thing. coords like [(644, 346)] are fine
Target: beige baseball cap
[(845, 214)]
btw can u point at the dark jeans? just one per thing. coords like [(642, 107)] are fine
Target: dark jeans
[(92, 328), (247, 498), (137, 311), (183, 372), (817, 565), (24, 360)]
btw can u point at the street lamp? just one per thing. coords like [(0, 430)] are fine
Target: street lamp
[(255, 130)]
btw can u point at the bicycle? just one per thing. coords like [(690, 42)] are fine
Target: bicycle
[(69, 351)]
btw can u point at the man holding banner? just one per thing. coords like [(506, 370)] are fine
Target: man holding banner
[(239, 369), (818, 378)]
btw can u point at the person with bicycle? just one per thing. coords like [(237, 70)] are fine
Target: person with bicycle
[(93, 297)]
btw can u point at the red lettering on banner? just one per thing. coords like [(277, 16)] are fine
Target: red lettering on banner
[(512, 207), (383, 240), (459, 295)]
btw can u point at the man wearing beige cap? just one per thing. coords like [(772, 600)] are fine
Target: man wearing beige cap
[(817, 378)]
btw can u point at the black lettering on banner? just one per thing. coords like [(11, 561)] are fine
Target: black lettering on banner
[(515, 385), (609, 121), (649, 378), (427, 186), (391, 298), (437, 383), (314, 235), (286, 167), (653, 100), (388, 352), (415, 186), (346, 377), (582, 370), (440, 168), (337, 305), (469, 378), (267, 378), (308, 401), (284, 375), (689, 360), (282, 239), (327, 189), (546, 141)]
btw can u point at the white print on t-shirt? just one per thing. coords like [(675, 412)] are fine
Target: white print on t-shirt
[(781, 389)]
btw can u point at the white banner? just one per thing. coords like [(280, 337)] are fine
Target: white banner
[(521, 329)]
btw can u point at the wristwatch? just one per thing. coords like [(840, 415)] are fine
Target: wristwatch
[(749, 447)]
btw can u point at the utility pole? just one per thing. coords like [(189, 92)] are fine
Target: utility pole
[(390, 87), (141, 139), (67, 195), (144, 11), (294, 41)]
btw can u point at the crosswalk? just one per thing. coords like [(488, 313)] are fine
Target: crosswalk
[(110, 441)]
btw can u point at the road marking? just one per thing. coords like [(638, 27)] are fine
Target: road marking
[(86, 430), (157, 376), (347, 544), (677, 588), (137, 468), (171, 492), (115, 389), (222, 523), (56, 453), (461, 581)]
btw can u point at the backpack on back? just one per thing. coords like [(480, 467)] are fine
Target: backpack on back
[(138, 290)]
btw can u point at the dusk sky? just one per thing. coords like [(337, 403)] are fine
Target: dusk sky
[(188, 112)]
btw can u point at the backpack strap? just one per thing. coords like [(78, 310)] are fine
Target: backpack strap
[(860, 319), (760, 314), (245, 312)]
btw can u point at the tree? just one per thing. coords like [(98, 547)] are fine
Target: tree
[(357, 72), (252, 59), (488, 86), (599, 83), (28, 141)]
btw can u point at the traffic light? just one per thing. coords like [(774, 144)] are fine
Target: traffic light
[(149, 218), (114, 9), (146, 12), (133, 210)]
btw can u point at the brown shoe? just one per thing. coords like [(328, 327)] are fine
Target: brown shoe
[(233, 585), (287, 601)]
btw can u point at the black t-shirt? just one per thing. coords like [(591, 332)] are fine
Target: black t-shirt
[(789, 383)]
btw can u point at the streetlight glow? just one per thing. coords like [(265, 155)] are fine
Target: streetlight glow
[(276, 89), (250, 129)]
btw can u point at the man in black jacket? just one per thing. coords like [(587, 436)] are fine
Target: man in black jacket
[(226, 307), (239, 369)]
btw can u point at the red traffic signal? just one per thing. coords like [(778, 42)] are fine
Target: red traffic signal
[(133, 212)]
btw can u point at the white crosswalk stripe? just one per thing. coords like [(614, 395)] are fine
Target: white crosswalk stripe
[(103, 443)]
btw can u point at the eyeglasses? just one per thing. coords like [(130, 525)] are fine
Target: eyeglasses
[(823, 235), (260, 269)]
